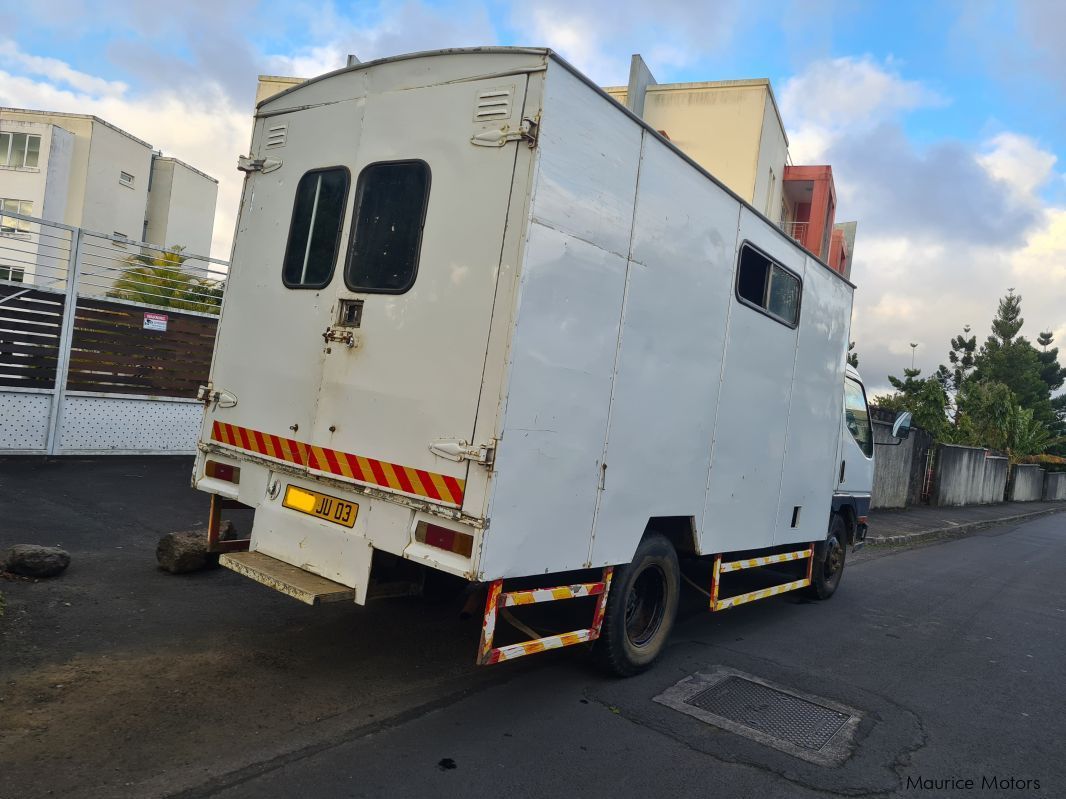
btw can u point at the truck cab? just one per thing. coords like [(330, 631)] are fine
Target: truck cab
[(851, 498)]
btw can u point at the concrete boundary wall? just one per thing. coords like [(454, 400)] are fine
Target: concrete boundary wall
[(899, 467), (1054, 486), (968, 476), (1026, 483)]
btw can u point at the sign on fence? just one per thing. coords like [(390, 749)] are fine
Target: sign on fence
[(155, 321)]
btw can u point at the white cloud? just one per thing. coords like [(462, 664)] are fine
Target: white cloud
[(843, 95), (398, 28), (58, 71), (1019, 162), (597, 36)]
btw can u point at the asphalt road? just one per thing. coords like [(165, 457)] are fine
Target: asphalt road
[(952, 653)]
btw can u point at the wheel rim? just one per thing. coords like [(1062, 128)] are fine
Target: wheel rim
[(834, 559), (646, 606)]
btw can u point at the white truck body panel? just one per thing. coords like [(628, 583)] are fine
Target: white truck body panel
[(671, 351), (574, 306)]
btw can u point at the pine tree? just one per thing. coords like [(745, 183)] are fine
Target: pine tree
[(1008, 358), (1050, 371), (925, 398), (962, 358)]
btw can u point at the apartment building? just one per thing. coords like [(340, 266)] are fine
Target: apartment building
[(82, 171), (733, 129)]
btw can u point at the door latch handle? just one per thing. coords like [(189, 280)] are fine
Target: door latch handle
[(346, 337)]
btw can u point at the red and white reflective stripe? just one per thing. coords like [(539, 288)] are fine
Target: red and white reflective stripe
[(721, 568), (751, 596), (496, 599), (513, 651), (345, 465), (751, 563), (513, 598)]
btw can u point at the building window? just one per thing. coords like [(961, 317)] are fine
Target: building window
[(768, 287), (390, 212), (857, 416), (19, 150), (126, 179), (12, 274), (8, 224), (315, 230)]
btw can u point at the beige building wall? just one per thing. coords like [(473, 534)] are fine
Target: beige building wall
[(26, 184), (95, 176), (81, 128), (100, 153), (269, 85), (773, 155), (112, 205), (730, 128), (181, 206)]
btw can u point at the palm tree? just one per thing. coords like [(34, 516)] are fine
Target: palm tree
[(159, 279)]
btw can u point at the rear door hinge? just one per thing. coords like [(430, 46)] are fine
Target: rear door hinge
[(217, 398), (483, 454), (498, 137), (248, 164)]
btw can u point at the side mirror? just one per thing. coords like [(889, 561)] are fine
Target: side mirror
[(901, 428)]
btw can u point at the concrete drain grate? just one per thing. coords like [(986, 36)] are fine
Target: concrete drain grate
[(808, 727)]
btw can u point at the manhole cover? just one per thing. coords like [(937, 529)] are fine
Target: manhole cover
[(809, 727), (770, 711)]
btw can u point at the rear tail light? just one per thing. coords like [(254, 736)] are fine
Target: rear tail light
[(223, 471), (443, 538)]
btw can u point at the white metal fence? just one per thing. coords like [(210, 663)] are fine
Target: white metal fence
[(103, 341)]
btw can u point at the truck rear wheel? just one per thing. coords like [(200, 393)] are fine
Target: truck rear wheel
[(829, 556), (641, 608)]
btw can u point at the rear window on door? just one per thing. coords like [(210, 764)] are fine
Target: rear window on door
[(386, 240), (315, 231)]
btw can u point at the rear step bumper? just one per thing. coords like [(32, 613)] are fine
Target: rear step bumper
[(284, 577)]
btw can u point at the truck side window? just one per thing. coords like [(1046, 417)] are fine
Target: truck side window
[(768, 286), (390, 211), (315, 230), (857, 417)]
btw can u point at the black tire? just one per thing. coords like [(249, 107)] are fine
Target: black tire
[(641, 608), (829, 557)]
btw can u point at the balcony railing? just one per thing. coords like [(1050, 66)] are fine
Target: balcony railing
[(797, 230)]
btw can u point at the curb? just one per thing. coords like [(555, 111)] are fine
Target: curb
[(957, 531)]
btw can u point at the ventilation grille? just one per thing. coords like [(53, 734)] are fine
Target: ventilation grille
[(276, 136), (493, 104)]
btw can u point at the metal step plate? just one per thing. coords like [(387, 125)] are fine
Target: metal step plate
[(284, 577), (808, 727)]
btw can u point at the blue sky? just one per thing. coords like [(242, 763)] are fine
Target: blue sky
[(944, 121)]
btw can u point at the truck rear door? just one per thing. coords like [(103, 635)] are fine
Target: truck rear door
[(379, 363)]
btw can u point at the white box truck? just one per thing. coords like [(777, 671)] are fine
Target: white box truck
[(481, 319)]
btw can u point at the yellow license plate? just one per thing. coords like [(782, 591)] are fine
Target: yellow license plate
[(321, 505)]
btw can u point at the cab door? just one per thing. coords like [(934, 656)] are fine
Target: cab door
[(856, 443)]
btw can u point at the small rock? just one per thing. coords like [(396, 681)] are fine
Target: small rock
[(31, 560), (179, 553)]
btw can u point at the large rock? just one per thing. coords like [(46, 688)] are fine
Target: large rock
[(179, 553), (31, 560)]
